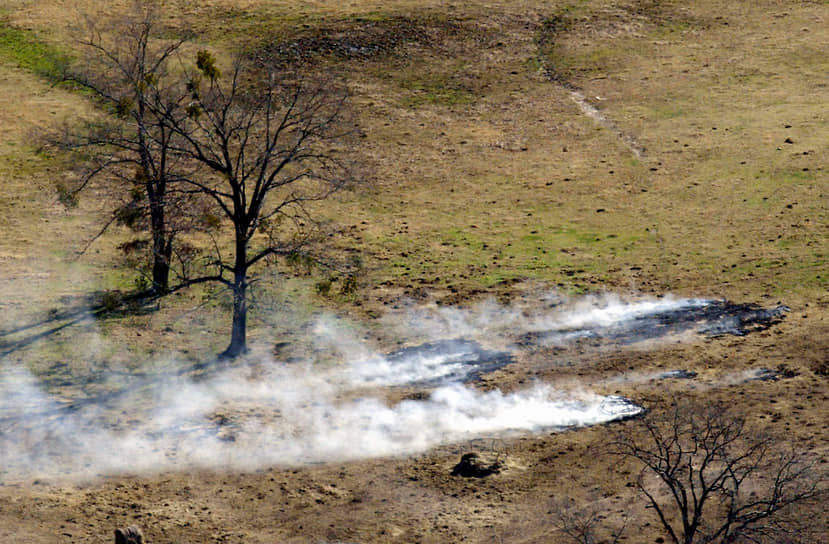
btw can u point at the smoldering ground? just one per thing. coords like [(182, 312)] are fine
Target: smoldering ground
[(266, 412)]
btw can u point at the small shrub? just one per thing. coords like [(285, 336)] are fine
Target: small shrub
[(323, 287), (66, 196), (349, 285), (110, 300)]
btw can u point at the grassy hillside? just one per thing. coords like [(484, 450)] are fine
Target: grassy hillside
[(589, 146), (487, 170)]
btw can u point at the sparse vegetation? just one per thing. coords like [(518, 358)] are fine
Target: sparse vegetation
[(711, 479), (583, 523), (491, 183)]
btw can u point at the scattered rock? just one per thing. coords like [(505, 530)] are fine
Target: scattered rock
[(782, 372), (280, 348), (129, 535), (472, 465), (822, 369), (677, 374)]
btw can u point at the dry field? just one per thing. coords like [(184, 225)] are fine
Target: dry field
[(517, 149)]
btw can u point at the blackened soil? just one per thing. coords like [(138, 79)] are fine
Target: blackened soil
[(713, 318), (468, 357)]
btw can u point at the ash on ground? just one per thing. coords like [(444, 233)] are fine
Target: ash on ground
[(710, 318)]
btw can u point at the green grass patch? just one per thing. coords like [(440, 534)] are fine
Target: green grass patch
[(670, 111), (247, 27), (436, 89), (597, 59), (794, 175), (670, 26), (573, 10), (24, 49), (564, 255), (372, 17)]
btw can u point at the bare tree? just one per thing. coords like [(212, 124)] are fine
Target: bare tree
[(710, 479), (126, 67), (270, 146)]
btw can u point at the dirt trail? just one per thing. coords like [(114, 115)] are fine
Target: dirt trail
[(594, 113), (546, 38)]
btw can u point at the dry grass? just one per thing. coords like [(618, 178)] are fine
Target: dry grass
[(486, 172)]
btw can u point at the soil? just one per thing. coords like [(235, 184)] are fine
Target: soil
[(705, 176), (418, 498)]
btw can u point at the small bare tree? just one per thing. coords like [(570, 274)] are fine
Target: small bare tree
[(269, 147), (710, 479)]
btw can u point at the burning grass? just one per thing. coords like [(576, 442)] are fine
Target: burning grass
[(491, 179), (103, 418)]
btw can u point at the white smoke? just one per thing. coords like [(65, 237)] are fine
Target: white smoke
[(571, 318), (608, 311), (274, 413), (284, 419)]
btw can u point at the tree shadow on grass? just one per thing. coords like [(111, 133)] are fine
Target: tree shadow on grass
[(99, 305)]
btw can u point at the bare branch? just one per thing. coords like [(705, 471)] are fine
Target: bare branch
[(723, 482)]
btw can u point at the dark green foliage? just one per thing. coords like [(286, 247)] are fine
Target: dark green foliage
[(206, 63)]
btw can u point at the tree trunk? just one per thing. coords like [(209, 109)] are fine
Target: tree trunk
[(162, 240), (162, 253), (238, 332)]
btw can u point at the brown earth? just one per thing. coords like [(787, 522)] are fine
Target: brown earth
[(490, 181)]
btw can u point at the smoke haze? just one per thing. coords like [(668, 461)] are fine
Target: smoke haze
[(275, 413)]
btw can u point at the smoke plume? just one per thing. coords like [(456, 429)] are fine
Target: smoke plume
[(274, 413)]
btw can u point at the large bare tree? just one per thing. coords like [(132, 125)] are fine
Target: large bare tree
[(710, 479), (126, 66), (269, 146)]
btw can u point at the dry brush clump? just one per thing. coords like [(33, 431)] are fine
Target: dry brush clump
[(584, 524)]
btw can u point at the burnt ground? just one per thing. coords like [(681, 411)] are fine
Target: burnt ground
[(510, 491), (708, 318), (727, 202), (465, 360), (357, 39)]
